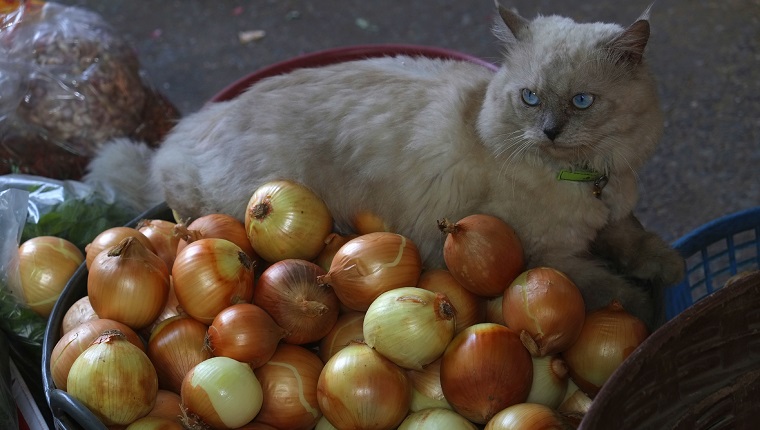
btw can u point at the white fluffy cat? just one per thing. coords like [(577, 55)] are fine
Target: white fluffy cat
[(414, 140)]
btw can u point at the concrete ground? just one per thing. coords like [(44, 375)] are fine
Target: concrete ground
[(705, 54)]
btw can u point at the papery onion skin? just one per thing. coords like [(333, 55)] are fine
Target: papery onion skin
[(175, 346), (546, 304), (483, 253), (222, 393), (288, 290), (215, 225), (485, 369), (78, 313), (333, 242), (494, 310), (77, 340), (426, 387), (114, 379), (289, 382), (410, 326), (359, 388), (609, 335), (246, 333), (284, 219), (436, 418), (372, 264), (45, 264), (155, 423), (348, 328), (365, 222), (111, 237), (167, 406), (161, 235), (210, 275), (527, 416), (550, 380), (128, 283), (470, 308)]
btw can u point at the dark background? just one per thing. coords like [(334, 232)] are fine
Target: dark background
[(705, 54)]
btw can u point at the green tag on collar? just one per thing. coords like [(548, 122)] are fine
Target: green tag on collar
[(578, 175)]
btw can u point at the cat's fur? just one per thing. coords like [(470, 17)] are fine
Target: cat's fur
[(414, 140)]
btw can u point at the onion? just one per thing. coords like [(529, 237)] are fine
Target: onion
[(471, 308), (548, 306), (114, 379), (426, 387), (161, 235), (365, 222), (434, 419), (348, 328), (289, 382), (527, 416), (359, 388), (483, 253), (210, 275), (171, 309), (45, 264), (78, 313), (485, 369), (167, 406), (333, 242), (494, 311), (246, 333), (111, 237), (410, 326), (219, 226), (155, 423), (609, 335), (128, 283), (220, 392), (288, 290), (78, 339), (284, 219), (370, 265), (550, 377), (176, 345)]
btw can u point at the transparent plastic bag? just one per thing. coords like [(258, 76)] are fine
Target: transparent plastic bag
[(68, 84)]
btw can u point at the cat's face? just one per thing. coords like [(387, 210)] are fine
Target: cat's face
[(562, 98)]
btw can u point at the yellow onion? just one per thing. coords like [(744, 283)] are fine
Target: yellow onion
[(210, 275), (111, 237), (324, 424), (348, 328), (171, 309), (359, 388), (333, 242), (527, 416), (435, 419), (546, 304), (220, 392), (216, 225), (289, 382), (155, 423), (284, 219), (409, 325), (471, 308), (550, 376), (494, 312), (128, 283), (609, 335), (176, 345), (288, 290), (370, 265), (161, 235), (168, 405), (483, 253), (246, 333), (575, 404), (426, 387), (114, 379), (365, 222), (485, 369), (78, 313), (75, 341), (45, 264)]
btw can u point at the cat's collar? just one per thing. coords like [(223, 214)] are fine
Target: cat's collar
[(583, 175)]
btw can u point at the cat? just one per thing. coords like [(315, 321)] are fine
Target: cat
[(414, 140)]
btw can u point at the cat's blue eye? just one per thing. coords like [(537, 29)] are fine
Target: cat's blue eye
[(583, 100), (530, 98)]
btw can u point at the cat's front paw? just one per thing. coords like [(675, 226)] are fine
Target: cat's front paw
[(658, 264)]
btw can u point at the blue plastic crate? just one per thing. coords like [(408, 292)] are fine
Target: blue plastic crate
[(715, 252)]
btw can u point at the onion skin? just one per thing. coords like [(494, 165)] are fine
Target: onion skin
[(161, 235), (114, 379), (470, 308), (246, 333), (548, 306), (370, 265), (155, 423), (348, 328), (284, 219), (550, 380), (359, 388), (45, 264), (483, 253), (219, 226), (527, 416), (333, 242), (176, 345), (167, 406), (609, 335), (111, 237), (365, 222), (289, 382), (288, 290), (485, 369), (78, 313), (436, 418), (426, 388)]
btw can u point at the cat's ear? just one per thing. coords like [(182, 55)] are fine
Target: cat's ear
[(509, 26), (628, 47)]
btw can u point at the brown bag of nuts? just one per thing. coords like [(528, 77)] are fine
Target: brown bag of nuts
[(68, 84)]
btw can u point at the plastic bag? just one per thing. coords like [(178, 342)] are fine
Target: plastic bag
[(68, 84)]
